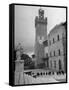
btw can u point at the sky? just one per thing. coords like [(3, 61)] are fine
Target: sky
[(25, 23)]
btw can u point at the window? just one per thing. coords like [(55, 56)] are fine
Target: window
[(54, 53), (58, 37), (50, 54), (51, 64), (59, 52), (60, 65), (54, 64), (53, 40)]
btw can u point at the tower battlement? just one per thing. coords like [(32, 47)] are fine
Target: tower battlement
[(40, 18)]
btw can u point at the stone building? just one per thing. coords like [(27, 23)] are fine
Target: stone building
[(41, 35), (57, 47), (64, 39)]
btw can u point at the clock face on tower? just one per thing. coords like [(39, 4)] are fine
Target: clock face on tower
[(40, 39)]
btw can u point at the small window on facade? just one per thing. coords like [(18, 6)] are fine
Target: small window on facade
[(53, 40), (54, 64), (51, 64), (50, 54), (60, 65), (54, 53), (59, 52), (58, 37)]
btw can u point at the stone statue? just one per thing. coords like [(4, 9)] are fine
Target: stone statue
[(19, 51)]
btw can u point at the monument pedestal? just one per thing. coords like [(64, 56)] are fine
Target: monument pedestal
[(19, 72)]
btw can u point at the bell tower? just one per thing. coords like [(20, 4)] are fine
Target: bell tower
[(41, 36)]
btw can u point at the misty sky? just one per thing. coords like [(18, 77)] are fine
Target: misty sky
[(25, 23)]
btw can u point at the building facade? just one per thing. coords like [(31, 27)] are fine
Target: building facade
[(41, 35), (56, 48), (46, 58)]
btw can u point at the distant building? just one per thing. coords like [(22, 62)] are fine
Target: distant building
[(57, 47), (41, 35)]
